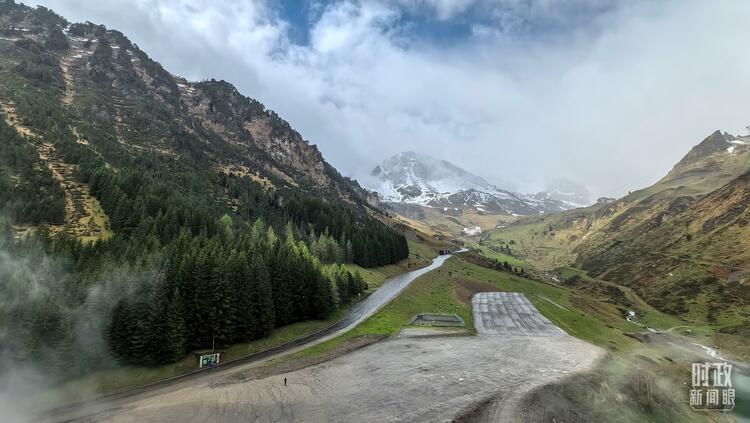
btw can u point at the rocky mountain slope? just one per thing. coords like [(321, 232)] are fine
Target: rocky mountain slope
[(143, 216), (86, 95), (418, 179), (682, 243)]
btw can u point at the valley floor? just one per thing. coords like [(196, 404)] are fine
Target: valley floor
[(413, 377), (416, 376)]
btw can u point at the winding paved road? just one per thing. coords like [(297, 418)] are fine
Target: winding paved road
[(361, 311)]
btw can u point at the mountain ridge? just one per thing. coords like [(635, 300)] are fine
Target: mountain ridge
[(681, 243), (414, 178), (120, 104)]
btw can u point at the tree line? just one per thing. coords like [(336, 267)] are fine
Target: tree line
[(224, 290), (197, 293)]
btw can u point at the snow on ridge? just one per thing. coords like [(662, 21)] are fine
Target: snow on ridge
[(417, 179)]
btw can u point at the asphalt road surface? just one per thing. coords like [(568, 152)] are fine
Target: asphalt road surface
[(364, 309)]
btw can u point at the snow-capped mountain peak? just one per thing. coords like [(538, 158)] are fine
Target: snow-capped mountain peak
[(412, 175), (415, 178)]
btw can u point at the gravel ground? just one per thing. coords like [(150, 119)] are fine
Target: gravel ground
[(404, 379)]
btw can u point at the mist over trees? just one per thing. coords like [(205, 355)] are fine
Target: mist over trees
[(51, 318), (193, 253), (195, 293)]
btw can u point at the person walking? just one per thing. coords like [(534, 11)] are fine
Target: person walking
[(284, 381)]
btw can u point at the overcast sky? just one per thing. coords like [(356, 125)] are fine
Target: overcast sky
[(607, 93)]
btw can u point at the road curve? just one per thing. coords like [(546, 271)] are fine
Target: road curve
[(361, 311)]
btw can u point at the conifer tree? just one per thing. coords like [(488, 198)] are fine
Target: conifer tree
[(263, 298)]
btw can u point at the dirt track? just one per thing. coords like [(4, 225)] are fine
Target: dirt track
[(407, 378)]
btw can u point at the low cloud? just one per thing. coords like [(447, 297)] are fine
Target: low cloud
[(609, 94), (53, 327)]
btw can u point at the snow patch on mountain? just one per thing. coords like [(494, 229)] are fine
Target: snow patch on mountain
[(737, 144), (472, 231), (572, 194), (415, 178)]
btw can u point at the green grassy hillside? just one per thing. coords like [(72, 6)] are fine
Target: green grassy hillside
[(681, 244)]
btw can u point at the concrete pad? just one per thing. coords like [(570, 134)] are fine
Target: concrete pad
[(509, 313), (403, 379)]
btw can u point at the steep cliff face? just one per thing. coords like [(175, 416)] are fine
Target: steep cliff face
[(241, 120)]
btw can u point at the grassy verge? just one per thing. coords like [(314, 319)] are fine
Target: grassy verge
[(492, 254), (647, 314), (715, 335), (533, 239), (433, 292), (420, 255), (448, 289), (128, 377), (581, 316)]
